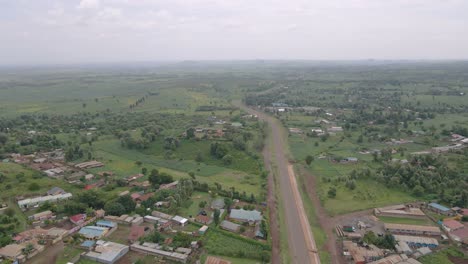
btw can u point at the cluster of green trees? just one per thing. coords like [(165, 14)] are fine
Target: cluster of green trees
[(386, 241)]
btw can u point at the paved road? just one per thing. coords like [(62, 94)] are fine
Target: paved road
[(301, 243)]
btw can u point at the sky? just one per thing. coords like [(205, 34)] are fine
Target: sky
[(89, 31)]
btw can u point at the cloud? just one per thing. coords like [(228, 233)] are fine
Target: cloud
[(89, 4)]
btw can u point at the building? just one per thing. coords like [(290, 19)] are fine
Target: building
[(32, 202), (216, 260), (180, 254), (42, 216), (452, 225), (161, 215), (56, 191), (400, 210), (440, 209), (136, 232), (217, 204), (93, 232), (396, 259), (12, 252), (412, 229), (230, 226), (242, 215), (89, 165), (107, 252), (335, 129), (106, 224), (180, 220), (78, 219), (361, 255), (88, 244), (202, 230), (417, 241), (152, 219), (460, 235), (203, 219), (169, 186)]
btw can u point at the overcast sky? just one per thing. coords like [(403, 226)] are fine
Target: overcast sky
[(75, 31)]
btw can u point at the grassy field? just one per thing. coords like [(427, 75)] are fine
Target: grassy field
[(442, 257), (122, 162), (368, 192), (406, 221), (192, 207), (218, 243), (67, 254), (233, 260)]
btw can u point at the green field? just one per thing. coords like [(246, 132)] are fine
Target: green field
[(442, 257)]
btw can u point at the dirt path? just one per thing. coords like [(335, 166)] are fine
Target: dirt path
[(301, 243), (326, 222)]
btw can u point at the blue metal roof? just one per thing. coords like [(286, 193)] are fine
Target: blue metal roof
[(439, 207), (88, 243), (106, 223), (92, 231)]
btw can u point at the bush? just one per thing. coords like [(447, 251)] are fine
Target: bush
[(33, 187)]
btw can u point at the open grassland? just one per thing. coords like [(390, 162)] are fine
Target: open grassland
[(217, 242), (367, 194), (442, 257), (122, 161), (192, 208), (233, 260)]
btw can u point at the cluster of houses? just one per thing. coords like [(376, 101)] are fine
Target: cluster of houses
[(413, 241), (54, 195), (53, 164)]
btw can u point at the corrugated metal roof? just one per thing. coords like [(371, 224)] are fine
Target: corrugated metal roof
[(246, 215), (439, 207)]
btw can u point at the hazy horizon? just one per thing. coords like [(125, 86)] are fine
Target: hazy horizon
[(145, 31)]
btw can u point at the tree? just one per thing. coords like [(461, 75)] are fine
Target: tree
[(144, 170), (3, 138), (190, 133), (418, 190), (309, 159), (138, 163), (153, 178), (202, 204), (332, 192), (227, 160), (127, 202), (216, 216), (28, 249), (192, 174), (228, 204), (114, 208)]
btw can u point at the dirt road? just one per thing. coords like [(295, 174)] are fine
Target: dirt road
[(302, 247)]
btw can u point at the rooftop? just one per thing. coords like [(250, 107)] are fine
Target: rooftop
[(93, 231), (245, 215), (452, 224), (229, 226), (412, 227), (106, 223), (439, 207), (11, 251), (107, 251)]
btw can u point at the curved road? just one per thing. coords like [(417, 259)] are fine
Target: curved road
[(302, 247)]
